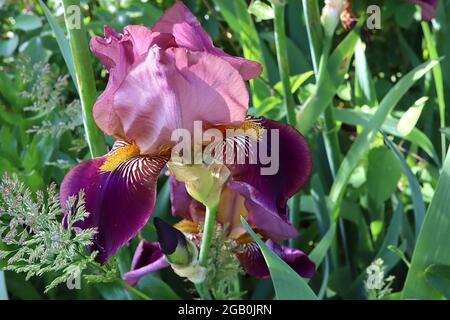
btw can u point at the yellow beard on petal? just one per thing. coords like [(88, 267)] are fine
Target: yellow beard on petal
[(250, 127), (119, 156), (187, 227)]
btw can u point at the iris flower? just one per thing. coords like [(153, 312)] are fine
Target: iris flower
[(234, 203), (162, 79), (428, 8)]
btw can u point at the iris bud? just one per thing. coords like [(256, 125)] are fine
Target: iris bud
[(180, 252)]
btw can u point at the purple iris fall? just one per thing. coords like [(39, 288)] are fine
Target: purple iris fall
[(233, 204), (428, 8), (162, 79)]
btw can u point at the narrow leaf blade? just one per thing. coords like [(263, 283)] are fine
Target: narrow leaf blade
[(287, 283)]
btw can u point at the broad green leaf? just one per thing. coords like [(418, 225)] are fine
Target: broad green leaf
[(432, 245), (156, 288), (362, 143), (8, 46), (418, 203), (151, 13), (359, 118), (3, 291), (438, 276), (409, 119), (337, 67), (320, 251), (27, 22), (383, 173), (7, 92), (113, 291), (20, 288), (287, 283), (404, 14), (62, 41), (35, 50)]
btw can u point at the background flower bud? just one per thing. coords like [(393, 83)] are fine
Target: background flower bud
[(173, 243), (331, 15)]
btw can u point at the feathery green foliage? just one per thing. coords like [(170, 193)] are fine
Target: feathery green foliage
[(36, 240)]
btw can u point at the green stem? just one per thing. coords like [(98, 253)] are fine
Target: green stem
[(85, 75), (438, 82), (208, 232), (294, 217), (236, 284), (320, 47), (283, 68), (314, 30), (331, 138), (283, 62), (132, 289)]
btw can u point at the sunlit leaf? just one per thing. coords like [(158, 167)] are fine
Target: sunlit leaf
[(432, 243)]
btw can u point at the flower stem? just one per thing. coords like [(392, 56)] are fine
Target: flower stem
[(85, 75), (294, 216), (320, 45), (314, 30), (333, 149), (283, 62), (283, 68), (208, 232)]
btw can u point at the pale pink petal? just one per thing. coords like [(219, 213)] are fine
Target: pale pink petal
[(171, 89), (118, 53), (188, 33)]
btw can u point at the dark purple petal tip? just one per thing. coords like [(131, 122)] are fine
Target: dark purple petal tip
[(119, 202), (295, 258), (267, 195), (254, 264)]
